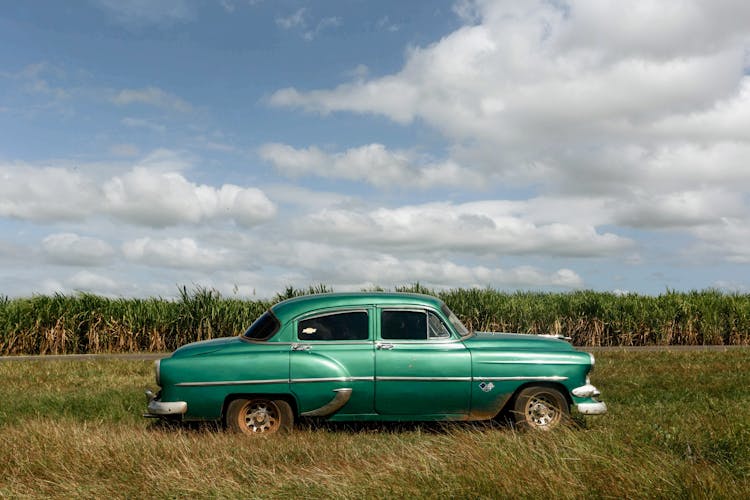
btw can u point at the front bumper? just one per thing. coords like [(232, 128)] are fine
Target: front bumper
[(157, 408), (592, 407), (596, 408)]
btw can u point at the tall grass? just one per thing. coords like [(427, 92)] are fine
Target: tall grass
[(86, 323), (590, 318)]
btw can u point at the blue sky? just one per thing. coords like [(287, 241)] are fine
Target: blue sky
[(250, 145)]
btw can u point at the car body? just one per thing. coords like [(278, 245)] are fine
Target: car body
[(372, 357)]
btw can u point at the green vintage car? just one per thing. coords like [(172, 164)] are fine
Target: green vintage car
[(367, 357)]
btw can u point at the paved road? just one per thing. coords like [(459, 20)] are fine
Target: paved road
[(146, 356)]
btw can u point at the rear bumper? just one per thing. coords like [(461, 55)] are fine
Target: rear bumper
[(596, 408), (157, 408)]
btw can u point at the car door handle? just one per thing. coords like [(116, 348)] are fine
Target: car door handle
[(301, 347), (384, 346)]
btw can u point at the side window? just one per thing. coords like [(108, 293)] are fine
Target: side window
[(437, 329), (404, 325), (263, 328), (351, 325), (412, 325)]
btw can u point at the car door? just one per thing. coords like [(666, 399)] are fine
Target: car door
[(421, 367), (332, 361)]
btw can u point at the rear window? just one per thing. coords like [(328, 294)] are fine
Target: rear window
[(263, 328)]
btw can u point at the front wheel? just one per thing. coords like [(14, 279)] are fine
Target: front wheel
[(259, 416), (540, 408)]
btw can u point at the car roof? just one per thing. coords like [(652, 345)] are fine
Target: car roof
[(291, 308)]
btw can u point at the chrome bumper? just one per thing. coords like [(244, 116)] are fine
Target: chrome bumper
[(158, 408), (589, 391), (598, 408)]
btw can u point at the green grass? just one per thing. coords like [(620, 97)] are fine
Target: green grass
[(87, 323), (678, 426)]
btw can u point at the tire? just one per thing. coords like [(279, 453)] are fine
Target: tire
[(257, 416), (540, 408)]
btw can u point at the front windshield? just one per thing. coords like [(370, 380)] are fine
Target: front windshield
[(460, 328)]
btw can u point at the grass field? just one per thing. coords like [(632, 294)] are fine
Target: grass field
[(678, 426)]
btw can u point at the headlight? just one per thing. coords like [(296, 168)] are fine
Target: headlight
[(593, 362), (157, 371)]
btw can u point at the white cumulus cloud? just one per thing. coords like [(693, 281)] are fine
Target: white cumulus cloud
[(72, 249), (178, 253), (642, 106), (154, 192), (372, 163), (161, 199), (501, 228), (43, 194)]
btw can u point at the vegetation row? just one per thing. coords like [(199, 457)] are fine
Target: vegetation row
[(85, 323)]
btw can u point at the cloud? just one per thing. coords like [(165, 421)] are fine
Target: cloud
[(372, 163), (323, 25), (494, 228), (152, 193), (299, 19), (43, 194), (729, 240), (87, 281), (152, 96), (180, 253), (681, 209), (147, 12), (72, 249), (353, 268), (142, 196), (385, 24), (641, 107), (36, 77), (294, 20), (522, 93)]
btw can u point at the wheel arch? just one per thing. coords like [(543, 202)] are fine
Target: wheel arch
[(508, 406)]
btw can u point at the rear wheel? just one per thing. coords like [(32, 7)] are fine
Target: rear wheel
[(256, 416), (540, 408)]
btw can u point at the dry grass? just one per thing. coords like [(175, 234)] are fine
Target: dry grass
[(677, 427)]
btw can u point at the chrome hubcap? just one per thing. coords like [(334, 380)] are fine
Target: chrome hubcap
[(541, 412), (261, 416)]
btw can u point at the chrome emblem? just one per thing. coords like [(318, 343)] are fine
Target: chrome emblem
[(486, 387)]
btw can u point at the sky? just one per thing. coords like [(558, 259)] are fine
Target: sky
[(252, 145)]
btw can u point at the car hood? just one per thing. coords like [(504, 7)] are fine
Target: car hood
[(516, 342), (206, 346)]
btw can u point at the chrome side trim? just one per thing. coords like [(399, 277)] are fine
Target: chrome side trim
[(276, 381), (555, 378), (339, 400), (539, 362), (367, 379), (234, 382), (331, 379), (423, 379), (598, 408)]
